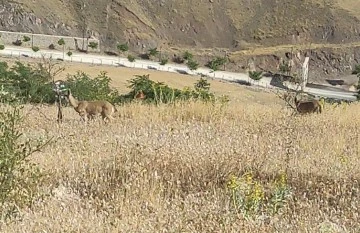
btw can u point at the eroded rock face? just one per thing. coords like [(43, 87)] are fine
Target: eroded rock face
[(13, 17)]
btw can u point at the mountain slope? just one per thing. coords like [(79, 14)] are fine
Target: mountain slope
[(232, 24)]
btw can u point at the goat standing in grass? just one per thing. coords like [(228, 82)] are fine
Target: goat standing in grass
[(309, 106), (91, 109)]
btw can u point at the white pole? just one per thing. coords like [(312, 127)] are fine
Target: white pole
[(305, 73)]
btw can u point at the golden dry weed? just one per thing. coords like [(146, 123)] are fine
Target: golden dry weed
[(165, 169)]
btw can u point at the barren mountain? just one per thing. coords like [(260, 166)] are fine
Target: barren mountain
[(200, 25)]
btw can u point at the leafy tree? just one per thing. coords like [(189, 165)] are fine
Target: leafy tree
[(216, 63), (26, 39), (193, 65), (123, 47), (93, 45), (187, 55), (61, 42), (356, 70), (69, 53), (164, 61), (153, 52), (131, 58), (85, 88), (35, 48), (2, 47), (256, 75), (27, 83)]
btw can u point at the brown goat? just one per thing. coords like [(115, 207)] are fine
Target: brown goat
[(90, 109), (140, 95), (309, 106)]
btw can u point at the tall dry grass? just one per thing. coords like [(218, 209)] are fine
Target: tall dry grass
[(165, 169)]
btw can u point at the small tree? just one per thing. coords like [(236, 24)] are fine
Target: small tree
[(93, 45), (69, 53), (61, 42), (26, 39), (35, 48), (356, 70), (164, 61), (256, 75), (131, 58), (193, 65), (2, 47), (153, 52), (216, 63), (187, 56), (123, 47)]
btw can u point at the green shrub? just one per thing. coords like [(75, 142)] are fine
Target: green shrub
[(69, 53), (61, 42), (85, 88), (131, 58), (123, 47), (93, 45), (164, 61), (19, 178), (158, 92), (216, 63), (26, 39), (256, 75), (27, 83), (187, 56), (193, 65), (2, 47), (35, 48)]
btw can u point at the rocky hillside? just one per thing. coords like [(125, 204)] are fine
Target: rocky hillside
[(199, 24)]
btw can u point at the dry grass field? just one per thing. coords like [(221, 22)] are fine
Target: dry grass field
[(176, 168), (165, 169)]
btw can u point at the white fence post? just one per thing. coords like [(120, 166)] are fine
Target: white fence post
[(305, 73)]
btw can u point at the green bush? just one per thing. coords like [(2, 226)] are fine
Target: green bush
[(131, 58), (93, 45), (69, 53), (85, 88), (188, 56), (2, 47), (216, 63), (35, 48), (123, 47), (164, 61), (256, 75), (26, 83), (19, 178), (158, 92), (193, 65), (26, 39)]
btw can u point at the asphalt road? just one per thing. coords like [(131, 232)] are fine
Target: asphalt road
[(145, 64)]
